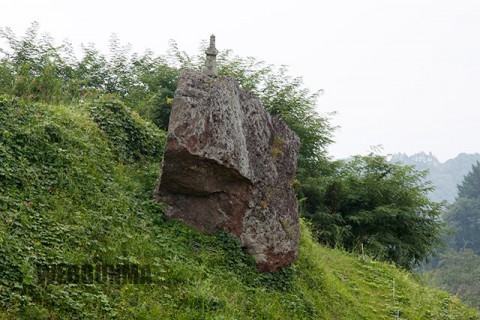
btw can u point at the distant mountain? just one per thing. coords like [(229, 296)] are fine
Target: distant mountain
[(445, 176)]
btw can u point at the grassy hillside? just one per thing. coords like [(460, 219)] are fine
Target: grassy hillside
[(75, 189)]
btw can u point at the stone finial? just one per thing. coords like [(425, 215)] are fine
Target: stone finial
[(210, 68)]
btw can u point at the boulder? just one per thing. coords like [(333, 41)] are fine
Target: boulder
[(229, 165)]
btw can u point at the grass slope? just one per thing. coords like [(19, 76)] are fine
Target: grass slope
[(75, 188)]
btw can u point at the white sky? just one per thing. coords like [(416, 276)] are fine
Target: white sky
[(401, 74)]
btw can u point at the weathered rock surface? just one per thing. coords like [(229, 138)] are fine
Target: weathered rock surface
[(229, 165)]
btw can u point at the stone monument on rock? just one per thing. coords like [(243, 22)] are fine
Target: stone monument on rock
[(229, 165), (210, 68)]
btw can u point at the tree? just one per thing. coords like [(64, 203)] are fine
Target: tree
[(33, 68), (457, 270), (152, 96), (382, 206), (464, 215), (470, 187)]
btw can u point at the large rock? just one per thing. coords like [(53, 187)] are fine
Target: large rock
[(229, 165)]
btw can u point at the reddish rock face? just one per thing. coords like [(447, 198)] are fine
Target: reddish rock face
[(229, 165)]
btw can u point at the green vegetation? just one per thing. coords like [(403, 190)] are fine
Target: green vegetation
[(381, 208), (80, 149), (457, 269), (457, 272), (67, 197), (470, 187)]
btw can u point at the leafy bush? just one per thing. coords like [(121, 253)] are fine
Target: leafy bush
[(381, 206), (133, 139), (33, 68)]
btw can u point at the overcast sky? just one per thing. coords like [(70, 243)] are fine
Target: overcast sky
[(401, 74)]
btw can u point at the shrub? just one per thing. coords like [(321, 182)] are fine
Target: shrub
[(132, 138)]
